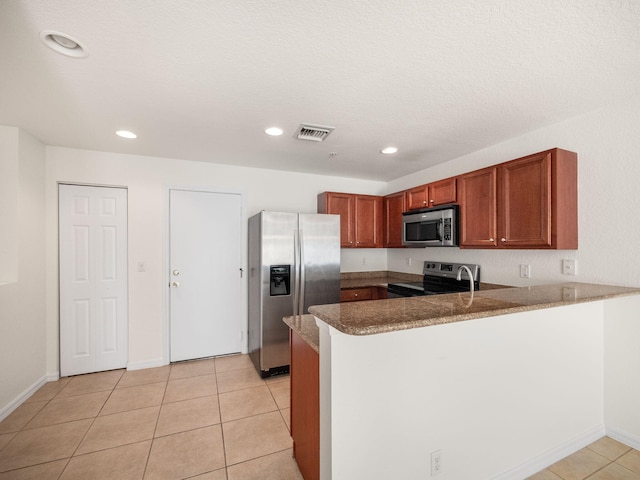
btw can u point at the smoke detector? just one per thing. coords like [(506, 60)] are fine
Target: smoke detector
[(315, 133)]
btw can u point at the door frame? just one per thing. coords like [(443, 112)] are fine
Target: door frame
[(166, 264)]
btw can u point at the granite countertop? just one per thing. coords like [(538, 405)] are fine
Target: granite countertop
[(380, 316), (305, 326)]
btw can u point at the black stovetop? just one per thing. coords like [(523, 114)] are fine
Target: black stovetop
[(439, 278)]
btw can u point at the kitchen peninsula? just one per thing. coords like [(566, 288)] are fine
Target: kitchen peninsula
[(501, 383)]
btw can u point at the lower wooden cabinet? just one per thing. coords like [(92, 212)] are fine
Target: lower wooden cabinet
[(363, 293), (305, 406)]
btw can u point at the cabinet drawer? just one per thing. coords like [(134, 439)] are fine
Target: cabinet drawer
[(355, 294)]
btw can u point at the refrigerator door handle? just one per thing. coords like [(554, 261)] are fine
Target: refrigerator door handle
[(302, 273), (296, 276)]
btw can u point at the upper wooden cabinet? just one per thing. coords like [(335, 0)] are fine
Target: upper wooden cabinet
[(478, 208), (530, 202), (392, 207), (360, 218), (432, 194)]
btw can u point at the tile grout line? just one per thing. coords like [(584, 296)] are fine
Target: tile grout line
[(90, 425), (224, 447), (155, 428), (24, 427)]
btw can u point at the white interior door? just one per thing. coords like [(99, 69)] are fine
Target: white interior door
[(205, 278), (93, 278)]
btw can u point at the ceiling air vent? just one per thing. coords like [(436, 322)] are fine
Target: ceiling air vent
[(315, 133)]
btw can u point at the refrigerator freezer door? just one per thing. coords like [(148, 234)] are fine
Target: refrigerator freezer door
[(275, 245)]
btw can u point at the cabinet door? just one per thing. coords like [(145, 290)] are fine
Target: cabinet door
[(477, 195), (368, 221), (417, 197), (442, 192), (524, 202), (342, 204), (393, 206)]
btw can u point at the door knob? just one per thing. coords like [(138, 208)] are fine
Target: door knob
[(175, 284), (176, 273)]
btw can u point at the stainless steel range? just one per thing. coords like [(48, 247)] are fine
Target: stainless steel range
[(438, 278)]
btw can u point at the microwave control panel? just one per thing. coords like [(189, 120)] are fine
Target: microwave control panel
[(447, 229)]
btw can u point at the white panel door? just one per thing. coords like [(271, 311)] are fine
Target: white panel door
[(93, 278), (205, 261)]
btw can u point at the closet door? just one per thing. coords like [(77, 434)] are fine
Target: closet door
[(93, 278)]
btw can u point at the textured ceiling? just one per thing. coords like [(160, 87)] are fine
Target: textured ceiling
[(201, 80)]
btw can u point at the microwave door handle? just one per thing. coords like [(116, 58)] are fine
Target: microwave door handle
[(441, 230)]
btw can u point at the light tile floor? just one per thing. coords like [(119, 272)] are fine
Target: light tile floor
[(605, 459), (212, 419)]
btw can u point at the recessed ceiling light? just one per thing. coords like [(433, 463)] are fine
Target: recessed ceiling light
[(126, 134), (274, 131), (389, 150), (63, 43)]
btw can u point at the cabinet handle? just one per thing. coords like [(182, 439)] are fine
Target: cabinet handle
[(355, 294), (503, 239), (424, 202), (491, 239), (431, 200)]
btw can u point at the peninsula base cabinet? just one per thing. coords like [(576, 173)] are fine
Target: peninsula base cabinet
[(305, 406), (530, 202)]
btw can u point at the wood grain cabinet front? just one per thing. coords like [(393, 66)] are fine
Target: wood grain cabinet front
[(530, 202), (392, 207), (433, 194), (363, 293), (360, 218), (305, 406)]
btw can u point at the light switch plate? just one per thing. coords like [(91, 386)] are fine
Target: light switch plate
[(568, 267)]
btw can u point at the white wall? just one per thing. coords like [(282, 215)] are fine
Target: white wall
[(528, 385), (146, 179), (9, 160), (621, 367), (608, 147), (22, 306)]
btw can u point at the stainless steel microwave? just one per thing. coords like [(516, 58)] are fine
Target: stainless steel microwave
[(431, 227)]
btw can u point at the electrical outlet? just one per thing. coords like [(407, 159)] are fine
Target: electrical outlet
[(569, 267), (364, 260), (407, 261), (525, 271), (142, 267), (436, 462)]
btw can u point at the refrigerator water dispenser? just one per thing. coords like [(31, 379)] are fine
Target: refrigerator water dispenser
[(279, 280)]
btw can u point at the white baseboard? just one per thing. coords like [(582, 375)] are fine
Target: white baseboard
[(628, 439), (550, 457), (19, 400), (156, 362)]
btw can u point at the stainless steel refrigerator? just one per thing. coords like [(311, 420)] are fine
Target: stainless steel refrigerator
[(294, 263)]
